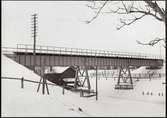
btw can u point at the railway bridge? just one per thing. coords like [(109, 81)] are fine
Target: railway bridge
[(82, 60)]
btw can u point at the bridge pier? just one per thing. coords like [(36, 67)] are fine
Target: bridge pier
[(82, 78), (124, 78), (44, 85), (76, 78), (43, 80)]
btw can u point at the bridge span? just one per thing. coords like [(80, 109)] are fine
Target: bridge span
[(60, 56), (83, 59)]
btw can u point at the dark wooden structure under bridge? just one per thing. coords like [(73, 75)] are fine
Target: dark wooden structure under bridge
[(61, 78), (84, 59)]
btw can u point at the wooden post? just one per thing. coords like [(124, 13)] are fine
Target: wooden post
[(44, 82), (47, 87), (39, 84), (22, 82), (96, 85), (43, 86), (63, 89)]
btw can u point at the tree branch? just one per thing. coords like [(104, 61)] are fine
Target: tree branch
[(153, 42), (147, 13), (134, 10), (97, 14), (156, 8), (124, 23), (92, 6), (124, 7)]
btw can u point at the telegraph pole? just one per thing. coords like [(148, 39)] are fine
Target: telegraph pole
[(34, 35)]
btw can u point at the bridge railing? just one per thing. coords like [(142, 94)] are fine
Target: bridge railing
[(77, 51), (8, 50)]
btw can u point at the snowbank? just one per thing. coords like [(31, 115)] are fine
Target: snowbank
[(12, 69), (27, 102)]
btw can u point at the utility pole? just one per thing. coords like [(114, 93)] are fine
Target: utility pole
[(34, 35)]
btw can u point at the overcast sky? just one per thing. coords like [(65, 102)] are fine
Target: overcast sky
[(61, 24)]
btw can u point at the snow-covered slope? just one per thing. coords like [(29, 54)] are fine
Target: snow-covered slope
[(27, 102), (111, 102)]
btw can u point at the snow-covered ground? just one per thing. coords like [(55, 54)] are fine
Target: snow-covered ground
[(111, 102)]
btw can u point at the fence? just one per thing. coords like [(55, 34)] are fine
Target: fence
[(133, 75), (23, 79), (22, 83)]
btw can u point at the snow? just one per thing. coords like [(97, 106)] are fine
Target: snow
[(144, 70), (27, 102)]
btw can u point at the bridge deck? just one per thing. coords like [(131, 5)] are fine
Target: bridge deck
[(87, 56), (60, 56)]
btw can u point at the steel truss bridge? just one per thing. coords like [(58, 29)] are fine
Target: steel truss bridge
[(82, 60)]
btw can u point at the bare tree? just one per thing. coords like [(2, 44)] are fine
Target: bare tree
[(131, 11)]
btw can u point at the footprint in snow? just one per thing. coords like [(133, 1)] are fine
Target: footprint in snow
[(71, 109), (80, 109)]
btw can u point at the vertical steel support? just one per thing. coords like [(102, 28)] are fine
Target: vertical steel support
[(76, 78), (87, 78), (51, 68), (96, 84), (30, 62), (78, 81), (123, 77), (129, 74), (119, 76)]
